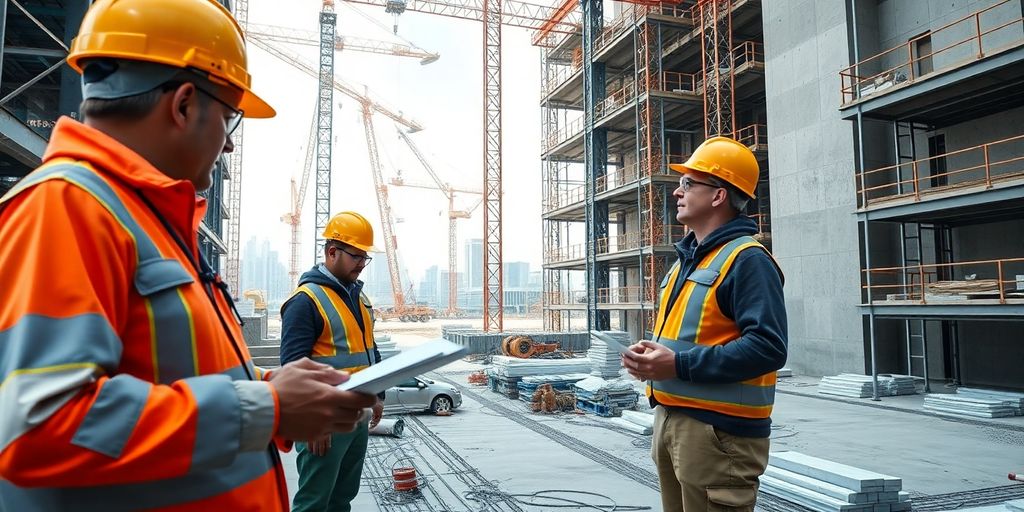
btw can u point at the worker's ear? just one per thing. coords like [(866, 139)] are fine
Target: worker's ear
[(184, 104)]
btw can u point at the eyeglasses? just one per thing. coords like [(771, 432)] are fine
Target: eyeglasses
[(231, 121), (360, 259), (687, 183)]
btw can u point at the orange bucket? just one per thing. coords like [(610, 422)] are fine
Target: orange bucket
[(405, 479)]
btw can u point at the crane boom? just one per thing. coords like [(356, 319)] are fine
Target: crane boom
[(303, 65), (358, 44), (513, 13), (384, 206)]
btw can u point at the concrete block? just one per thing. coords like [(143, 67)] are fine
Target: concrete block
[(832, 472), (819, 486)]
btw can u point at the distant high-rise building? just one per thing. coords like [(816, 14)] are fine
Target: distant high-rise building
[(474, 268), (262, 269), (517, 274)]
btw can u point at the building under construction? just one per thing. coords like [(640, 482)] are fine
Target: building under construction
[(896, 157), (609, 227)]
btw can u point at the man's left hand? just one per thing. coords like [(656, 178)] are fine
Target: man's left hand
[(378, 411), (648, 360)]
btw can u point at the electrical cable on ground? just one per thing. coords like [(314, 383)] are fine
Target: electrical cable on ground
[(491, 495)]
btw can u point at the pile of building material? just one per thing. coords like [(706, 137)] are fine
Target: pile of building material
[(502, 384), (605, 397), (784, 372), (852, 385), (827, 486), (607, 361), (964, 407), (386, 347), (1014, 400), (637, 422), (479, 342), (528, 385), (505, 366)]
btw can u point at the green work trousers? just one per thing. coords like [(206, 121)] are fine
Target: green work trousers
[(329, 483)]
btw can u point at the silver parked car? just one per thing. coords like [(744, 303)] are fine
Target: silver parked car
[(420, 394)]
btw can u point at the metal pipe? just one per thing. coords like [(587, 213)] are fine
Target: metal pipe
[(867, 216)]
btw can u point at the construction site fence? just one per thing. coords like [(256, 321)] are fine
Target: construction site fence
[(479, 342), (969, 38), (986, 164), (959, 282)]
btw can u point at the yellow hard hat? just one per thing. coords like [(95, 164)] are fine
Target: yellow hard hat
[(198, 34), (352, 229), (726, 159)]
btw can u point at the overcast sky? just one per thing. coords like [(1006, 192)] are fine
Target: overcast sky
[(445, 97)]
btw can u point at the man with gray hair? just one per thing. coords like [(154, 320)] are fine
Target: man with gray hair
[(719, 337)]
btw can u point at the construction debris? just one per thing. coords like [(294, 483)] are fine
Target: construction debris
[(478, 378), (605, 397), (547, 399), (827, 486), (852, 385), (607, 361)]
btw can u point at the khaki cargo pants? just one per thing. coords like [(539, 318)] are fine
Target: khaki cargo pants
[(702, 469)]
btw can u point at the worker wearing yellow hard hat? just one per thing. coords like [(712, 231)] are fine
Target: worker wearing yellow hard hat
[(719, 337), (330, 320), (127, 377)]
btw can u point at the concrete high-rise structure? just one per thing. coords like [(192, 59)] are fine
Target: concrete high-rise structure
[(891, 195), (262, 269), (517, 274), (897, 137), (474, 263)]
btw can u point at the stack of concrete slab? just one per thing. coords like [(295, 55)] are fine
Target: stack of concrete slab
[(605, 397), (637, 422), (1014, 400), (827, 486), (386, 347), (479, 342), (505, 366), (960, 406), (852, 385), (784, 372), (606, 360)]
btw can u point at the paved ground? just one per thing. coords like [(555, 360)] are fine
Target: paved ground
[(494, 448)]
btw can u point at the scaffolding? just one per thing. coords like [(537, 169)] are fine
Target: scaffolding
[(621, 101)]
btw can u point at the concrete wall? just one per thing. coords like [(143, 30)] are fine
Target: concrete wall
[(811, 157), (900, 20)]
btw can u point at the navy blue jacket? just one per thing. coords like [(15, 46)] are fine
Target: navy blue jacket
[(751, 295), (302, 324)]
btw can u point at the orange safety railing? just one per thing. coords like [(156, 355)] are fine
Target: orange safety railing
[(748, 52), (618, 178), (753, 136), (944, 282), (566, 196), (673, 81), (905, 63), (979, 165), (619, 295), (569, 253)]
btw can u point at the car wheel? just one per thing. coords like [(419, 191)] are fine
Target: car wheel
[(441, 403)]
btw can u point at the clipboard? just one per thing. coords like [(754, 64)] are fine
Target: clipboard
[(404, 366), (611, 342)]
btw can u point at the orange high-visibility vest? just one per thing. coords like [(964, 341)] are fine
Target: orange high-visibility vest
[(694, 318), (119, 370), (342, 344)]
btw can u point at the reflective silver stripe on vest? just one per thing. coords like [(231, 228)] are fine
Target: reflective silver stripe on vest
[(732, 393), (112, 417), (219, 415), (247, 467), (156, 278), (343, 358)]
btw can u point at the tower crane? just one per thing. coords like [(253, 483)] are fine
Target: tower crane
[(449, 191), (294, 216), (356, 44), (369, 106), (493, 14)]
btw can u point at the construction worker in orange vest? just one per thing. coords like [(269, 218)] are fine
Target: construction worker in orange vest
[(330, 320), (719, 337), (126, 384)]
